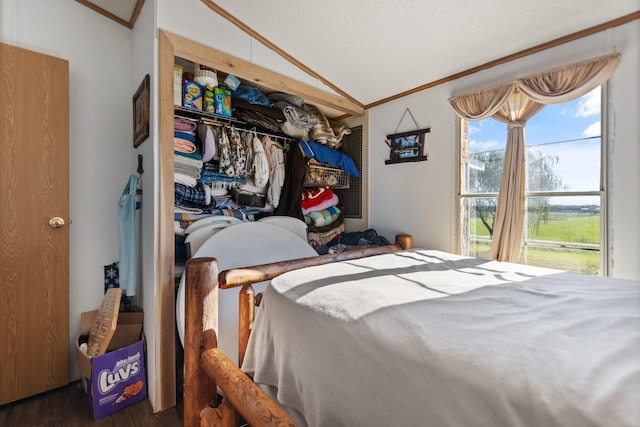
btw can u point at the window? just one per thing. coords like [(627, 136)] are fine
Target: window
[(564, 198)]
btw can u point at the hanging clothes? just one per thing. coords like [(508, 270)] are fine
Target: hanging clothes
[(260, 165), (224, 148), (238, 153), (128, 237), (276, 176), (291, 194), (266, 145), (208, 141), (247, 144)]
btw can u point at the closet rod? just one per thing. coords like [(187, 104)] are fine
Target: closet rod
[(225, 121), (253, 129)]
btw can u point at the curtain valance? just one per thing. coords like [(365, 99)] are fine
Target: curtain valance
[(549, 87)]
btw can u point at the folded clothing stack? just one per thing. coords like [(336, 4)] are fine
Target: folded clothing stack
[(187, 153), (320, 208), (324, 217), (298, 121)]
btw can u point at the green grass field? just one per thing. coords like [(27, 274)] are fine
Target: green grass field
[(569, 227), (561, 227)]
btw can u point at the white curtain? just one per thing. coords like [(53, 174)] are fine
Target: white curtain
[(514, 103)]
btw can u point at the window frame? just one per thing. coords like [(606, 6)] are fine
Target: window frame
[(605, 227)]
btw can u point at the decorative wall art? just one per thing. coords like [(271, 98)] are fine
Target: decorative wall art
[(407, 146), (141, 112)]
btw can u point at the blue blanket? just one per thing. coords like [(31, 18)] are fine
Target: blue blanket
[(325, 154)]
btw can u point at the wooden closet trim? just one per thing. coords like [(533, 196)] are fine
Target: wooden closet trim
[(129, 24), (201, 54), (165, 348)]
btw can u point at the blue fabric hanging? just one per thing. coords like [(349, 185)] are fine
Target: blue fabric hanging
[(128, 238)]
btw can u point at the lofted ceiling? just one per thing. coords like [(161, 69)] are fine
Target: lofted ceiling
[(124, 12), (379, 48), (376, 50)]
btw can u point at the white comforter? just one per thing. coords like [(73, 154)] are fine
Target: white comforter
[(427, 338)]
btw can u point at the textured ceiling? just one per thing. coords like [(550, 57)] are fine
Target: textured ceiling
[(375, 49)]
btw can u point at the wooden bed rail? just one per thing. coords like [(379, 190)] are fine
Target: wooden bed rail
[(235, 277), (206, 368)]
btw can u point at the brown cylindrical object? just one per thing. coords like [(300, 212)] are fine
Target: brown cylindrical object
[(242, 394), (404, 240), (200, 329), (259, 273), (246, 316)]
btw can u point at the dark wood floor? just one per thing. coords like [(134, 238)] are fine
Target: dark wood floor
[(68, 406)]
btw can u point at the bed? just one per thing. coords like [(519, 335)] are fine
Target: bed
[(422, 337)]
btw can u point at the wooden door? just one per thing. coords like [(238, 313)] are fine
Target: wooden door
[(34, 245)]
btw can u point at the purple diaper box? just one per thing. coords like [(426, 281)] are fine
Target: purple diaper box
[(116, 379)]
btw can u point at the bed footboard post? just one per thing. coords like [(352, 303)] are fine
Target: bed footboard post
[(246, 315), (201, 326), (405, 241)]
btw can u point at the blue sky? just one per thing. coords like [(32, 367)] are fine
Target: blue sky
[(578, 161)]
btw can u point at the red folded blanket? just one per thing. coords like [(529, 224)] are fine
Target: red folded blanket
[(311, 198), (325, 204)]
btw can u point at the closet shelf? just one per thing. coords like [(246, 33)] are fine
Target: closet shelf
[(193, 114), (231, 121)]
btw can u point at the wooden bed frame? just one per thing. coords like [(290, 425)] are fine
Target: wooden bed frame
[(207, 368)]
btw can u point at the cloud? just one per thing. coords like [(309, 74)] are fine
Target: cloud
[(474, 129), (589, 104), (592, 130), (477, 146)]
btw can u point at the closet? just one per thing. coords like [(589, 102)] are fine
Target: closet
[(171, 47), (224, 167)]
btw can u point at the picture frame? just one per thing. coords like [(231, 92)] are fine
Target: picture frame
[(141, 112), (407, 146)]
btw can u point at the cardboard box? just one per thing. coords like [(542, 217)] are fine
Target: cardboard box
[(177, 85), (116, 379)]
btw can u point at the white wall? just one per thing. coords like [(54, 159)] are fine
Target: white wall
[(100, 143), (624, 147), (420, 198), (144, 61), (414, 198)]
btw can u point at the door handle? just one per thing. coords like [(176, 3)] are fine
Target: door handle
[(56, 222)]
